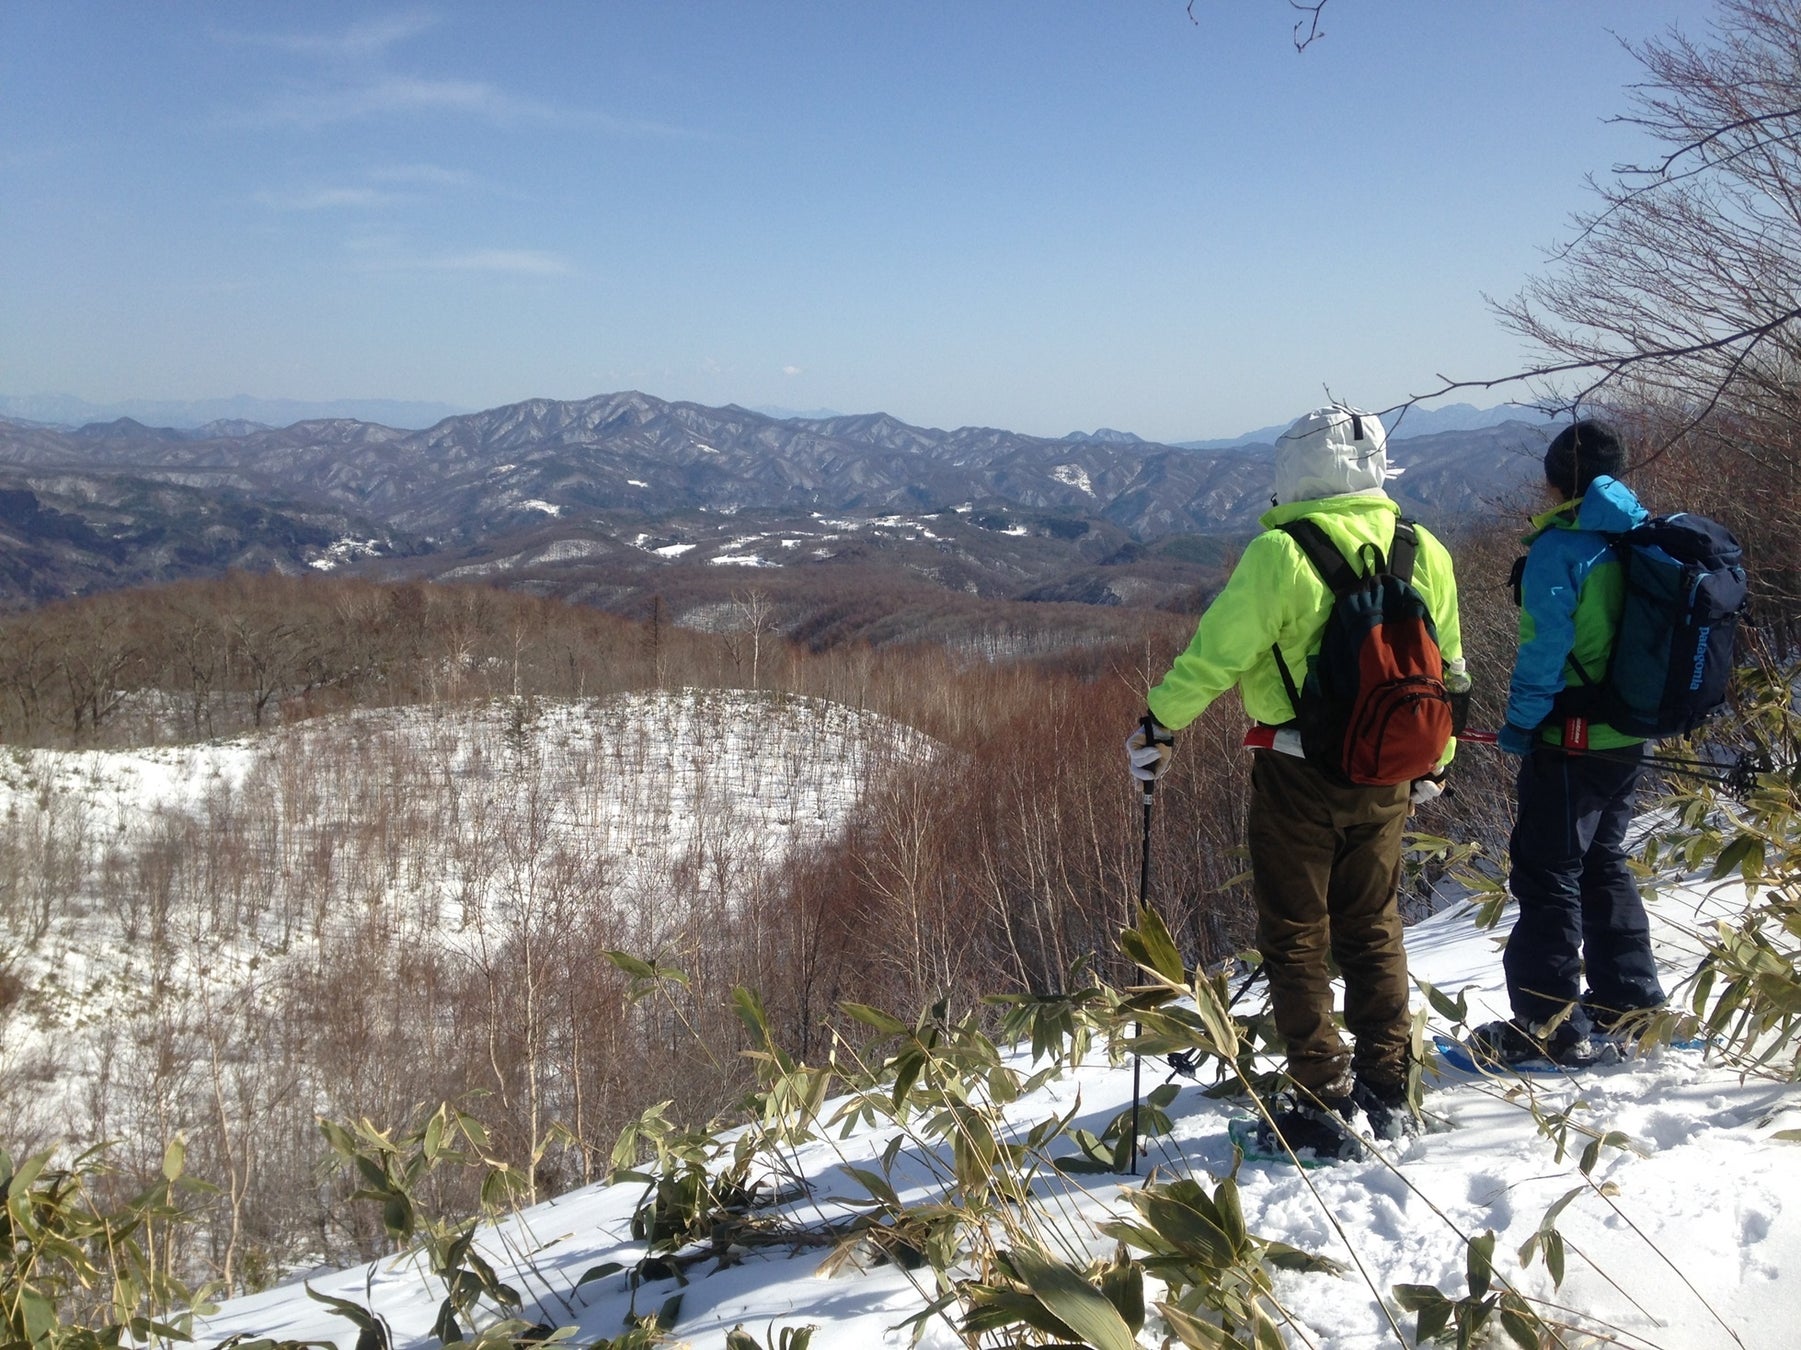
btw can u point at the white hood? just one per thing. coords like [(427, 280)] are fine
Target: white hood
[(1331, 452)]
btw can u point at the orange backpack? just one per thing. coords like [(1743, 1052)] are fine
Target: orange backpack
[(1373, 709)]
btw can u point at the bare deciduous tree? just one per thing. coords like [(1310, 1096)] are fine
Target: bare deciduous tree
[(1683, 286), (755, 622), (1687, 277)]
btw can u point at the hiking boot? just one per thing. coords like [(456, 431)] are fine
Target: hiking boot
[(1501, 1044), (1622, 1024), (1573, 1050), (1386, 1108), (1627, 1035), (1508, 1044), (1303, 1128)]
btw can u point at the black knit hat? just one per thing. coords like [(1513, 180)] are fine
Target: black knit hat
[(1582, 453)]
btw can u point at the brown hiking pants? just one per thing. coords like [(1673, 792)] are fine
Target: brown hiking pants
[(1325, 864)]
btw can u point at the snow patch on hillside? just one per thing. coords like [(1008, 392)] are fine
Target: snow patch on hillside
[(644, 788), (568, 550), (742, 560), (342, 551)]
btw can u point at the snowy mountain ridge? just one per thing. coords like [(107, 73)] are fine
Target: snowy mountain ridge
[(113, 503)]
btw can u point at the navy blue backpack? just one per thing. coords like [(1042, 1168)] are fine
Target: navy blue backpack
[(1673, 654)]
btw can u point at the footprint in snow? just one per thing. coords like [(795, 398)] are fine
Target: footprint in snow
[(1754, 1225), (1489, 1191)]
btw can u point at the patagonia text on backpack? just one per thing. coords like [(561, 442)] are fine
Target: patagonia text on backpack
[(1373, 710), (1673, 652)]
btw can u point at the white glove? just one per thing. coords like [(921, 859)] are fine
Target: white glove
[(1149, 748), (1425, 789)]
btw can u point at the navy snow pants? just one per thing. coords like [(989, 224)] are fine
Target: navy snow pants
[(1579, 908)]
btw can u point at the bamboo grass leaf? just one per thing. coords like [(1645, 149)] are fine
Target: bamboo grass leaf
[(1074, 1301)]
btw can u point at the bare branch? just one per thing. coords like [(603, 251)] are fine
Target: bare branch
[(1700, 143), (1621, 200), (1681, 294), (1615, 365), (1310, 23)]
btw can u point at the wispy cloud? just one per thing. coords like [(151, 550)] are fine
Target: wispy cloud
[(328, 199), (358, 82), (423, 176), (524, 261), (316, 104), (382, 187), (365, 40), (356, 77), (793, 370), (332, 101), (504, 261)]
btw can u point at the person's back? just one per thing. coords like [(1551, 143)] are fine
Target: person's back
[(1570, 589), (1330, 467), (1325, 852)]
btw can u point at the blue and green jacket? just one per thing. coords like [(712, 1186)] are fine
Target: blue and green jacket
[(1571, 592)]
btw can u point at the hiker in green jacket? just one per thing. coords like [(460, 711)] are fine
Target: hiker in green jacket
[(1325, 852)]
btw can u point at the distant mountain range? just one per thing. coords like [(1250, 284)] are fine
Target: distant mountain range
[(64, 410), (242, 415), (1404, 425), (631, 484)]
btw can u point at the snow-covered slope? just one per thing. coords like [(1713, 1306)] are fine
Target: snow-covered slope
[(191, 876), (1691, 1237)]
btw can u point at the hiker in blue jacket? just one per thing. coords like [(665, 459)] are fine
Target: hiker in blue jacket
[(1580, 911)]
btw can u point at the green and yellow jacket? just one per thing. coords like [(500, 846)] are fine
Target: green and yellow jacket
[(1276, 597)]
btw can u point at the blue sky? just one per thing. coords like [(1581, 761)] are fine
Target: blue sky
[(1042, 216)]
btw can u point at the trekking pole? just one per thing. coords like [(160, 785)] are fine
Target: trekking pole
[(1144, 892), (1738, 777)]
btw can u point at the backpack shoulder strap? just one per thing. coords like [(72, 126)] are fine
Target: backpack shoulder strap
[(1401, 551), (1338, 574), (1334, 570)]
